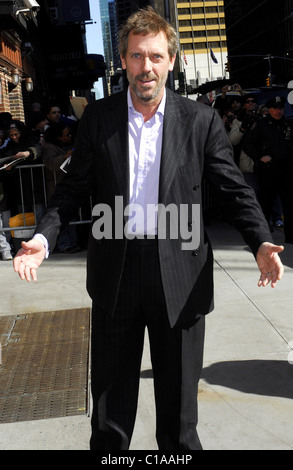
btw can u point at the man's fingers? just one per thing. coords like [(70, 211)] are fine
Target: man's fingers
[(25, 270), (277, 248), (34, 274), (27, 273), (270, 277), (263, 280), (20, 270)]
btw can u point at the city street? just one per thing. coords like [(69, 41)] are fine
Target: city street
[(246, 387)]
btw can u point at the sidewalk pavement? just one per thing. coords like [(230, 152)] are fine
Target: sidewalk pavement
[(246, 387)]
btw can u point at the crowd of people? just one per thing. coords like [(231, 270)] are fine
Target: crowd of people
[(47, 138), (262, 140)]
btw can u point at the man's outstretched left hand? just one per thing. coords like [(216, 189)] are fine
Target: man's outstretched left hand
[(269, 263)]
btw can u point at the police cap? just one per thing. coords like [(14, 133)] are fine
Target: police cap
[(276, 102)]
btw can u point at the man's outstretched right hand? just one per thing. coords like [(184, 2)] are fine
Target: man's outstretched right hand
[(28, 259)]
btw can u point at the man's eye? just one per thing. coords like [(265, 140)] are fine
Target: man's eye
[(136, 56), (156, 57)]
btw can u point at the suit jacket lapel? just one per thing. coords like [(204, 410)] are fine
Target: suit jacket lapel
[(116, 128), (176, 130)]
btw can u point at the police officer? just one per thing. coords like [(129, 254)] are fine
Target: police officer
[(270, 145)]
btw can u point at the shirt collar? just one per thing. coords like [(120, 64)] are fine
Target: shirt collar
[(161, 108)]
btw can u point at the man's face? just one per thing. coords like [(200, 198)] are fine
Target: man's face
[(66, 136), (236, 105), (54, 114), (250, 105), (276, 113), (147, 63), (14, 135)]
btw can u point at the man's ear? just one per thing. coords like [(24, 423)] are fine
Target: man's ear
[(172, 62), (123, 62)]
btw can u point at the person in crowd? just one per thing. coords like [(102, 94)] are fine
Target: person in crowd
[(136, 149), (57, 150), (270, 145), (20, 186), (23, 148), (204, 99), (277, 210), (228, 118), (38, 123), (54, 115), (21, 144), (263, 110), (229, 94), (35, 108), (236, 104), (244, 121)]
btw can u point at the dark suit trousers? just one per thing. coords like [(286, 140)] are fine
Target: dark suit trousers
[(117, 346)]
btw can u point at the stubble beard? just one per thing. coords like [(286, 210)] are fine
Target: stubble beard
[(143, 95)]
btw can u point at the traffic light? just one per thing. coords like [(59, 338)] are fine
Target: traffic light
[(268, 81), (228, 67)]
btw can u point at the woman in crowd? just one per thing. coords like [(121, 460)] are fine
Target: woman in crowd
[(57, 149)]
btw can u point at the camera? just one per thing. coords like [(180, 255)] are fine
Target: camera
[(230, 88), (32, 5), (31, 8)]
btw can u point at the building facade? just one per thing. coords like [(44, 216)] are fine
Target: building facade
[(17, 70), (260, 40), (202, 37), (43, 54)]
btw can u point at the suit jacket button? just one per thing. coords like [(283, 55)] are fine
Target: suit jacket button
[(195, 252)]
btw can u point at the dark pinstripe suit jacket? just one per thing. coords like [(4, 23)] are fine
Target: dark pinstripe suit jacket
[(194, 144)]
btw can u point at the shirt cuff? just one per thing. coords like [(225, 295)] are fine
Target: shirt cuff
[(44, 240)]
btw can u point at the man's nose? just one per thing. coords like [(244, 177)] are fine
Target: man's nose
[(147, 64)]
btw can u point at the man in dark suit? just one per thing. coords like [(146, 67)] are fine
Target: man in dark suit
[(142, 154)]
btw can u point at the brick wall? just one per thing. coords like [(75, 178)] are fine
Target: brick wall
[(11, 102), (16, 103), (4, 98)]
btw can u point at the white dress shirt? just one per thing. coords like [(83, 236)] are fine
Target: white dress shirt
[(145, 147)]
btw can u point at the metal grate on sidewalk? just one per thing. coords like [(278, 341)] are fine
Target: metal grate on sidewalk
[(44, 365)]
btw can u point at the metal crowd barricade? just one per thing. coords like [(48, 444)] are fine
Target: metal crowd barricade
[(209, 199), (33, 203)]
